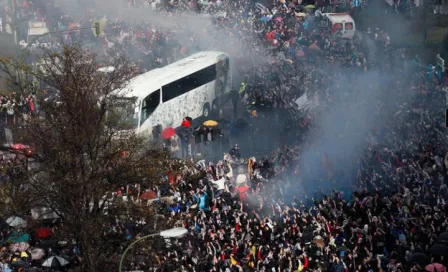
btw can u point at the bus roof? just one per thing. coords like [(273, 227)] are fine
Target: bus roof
[(37, 28), (146, 83), (339, 17)]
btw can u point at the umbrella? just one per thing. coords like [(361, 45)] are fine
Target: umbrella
[(19, 146), (443, 238), (265, 19), (22, 246), (439, 249), (168, 133), (148, 195), (44, 232), (435, 267), (15, 221), (17, 237), (261, 8), (55, 261), (309, 7), (37, 253), (420, 259), (210, 123), (271, 35), (174, 232), (205, 3)]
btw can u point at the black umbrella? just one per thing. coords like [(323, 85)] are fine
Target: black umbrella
[(55, 261), (439, 249), (443, 238), (420, 259)]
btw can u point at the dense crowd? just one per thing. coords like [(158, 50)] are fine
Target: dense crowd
[(390, 221), (280, 211), (392, 212)]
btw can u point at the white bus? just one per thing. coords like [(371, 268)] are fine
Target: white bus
[(161, 98), (36, 30), (340, 24)]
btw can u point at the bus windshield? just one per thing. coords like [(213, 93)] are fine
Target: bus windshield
[(38, 39), (125, 112)]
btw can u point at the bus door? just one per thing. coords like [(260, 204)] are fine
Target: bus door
[(148, 108), (222, 78)]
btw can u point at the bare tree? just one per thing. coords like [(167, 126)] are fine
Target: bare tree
[(78, 142)]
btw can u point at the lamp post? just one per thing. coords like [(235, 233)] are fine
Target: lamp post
[(170, 233)]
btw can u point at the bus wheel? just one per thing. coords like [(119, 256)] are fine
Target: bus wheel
[(206, 110)]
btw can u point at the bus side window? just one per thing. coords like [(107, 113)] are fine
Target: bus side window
[(150, 104), (174, 89), (348, 26), (336, 27), (205, 76), (188, 83)]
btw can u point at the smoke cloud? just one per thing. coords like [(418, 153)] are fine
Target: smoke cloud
[(185, 28), (341, 129)]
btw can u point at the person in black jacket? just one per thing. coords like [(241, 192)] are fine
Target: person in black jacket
[(235, 153)]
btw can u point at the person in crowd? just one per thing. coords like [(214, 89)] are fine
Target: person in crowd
[(235, 153), (187, 138)]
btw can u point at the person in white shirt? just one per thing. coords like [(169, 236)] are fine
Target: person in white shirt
[(219, 185)]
